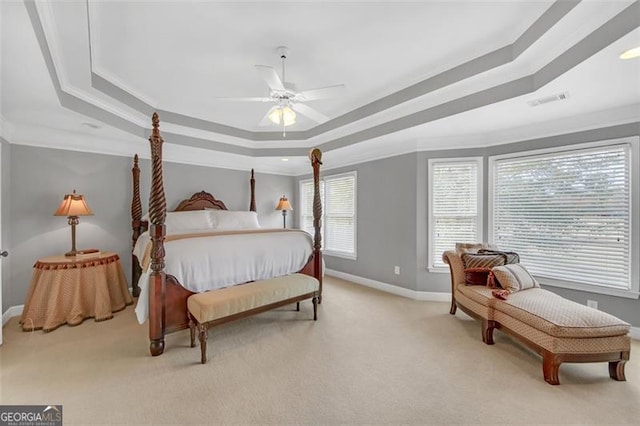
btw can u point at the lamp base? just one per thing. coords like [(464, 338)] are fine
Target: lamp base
[(73, 253)]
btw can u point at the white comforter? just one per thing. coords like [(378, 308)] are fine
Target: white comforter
[(210, 262)]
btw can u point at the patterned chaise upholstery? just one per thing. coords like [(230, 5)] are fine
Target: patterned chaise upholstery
[(556, 328)]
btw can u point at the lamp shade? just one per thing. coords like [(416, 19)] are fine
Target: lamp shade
[(73, 205), (283, 204)]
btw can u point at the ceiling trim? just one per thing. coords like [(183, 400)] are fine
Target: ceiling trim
[(102, 81), (110, 86), (613, 29)]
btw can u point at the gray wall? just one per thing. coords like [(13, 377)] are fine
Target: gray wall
[(40, 177), (393, 217), (386, 220), (392, 209)]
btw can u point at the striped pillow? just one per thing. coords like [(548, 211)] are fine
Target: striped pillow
[(514, 277), (477, 260)]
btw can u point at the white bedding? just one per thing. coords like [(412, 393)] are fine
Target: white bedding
[(211, 262)]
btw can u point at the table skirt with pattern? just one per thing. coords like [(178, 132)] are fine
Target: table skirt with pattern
[(68, 292)]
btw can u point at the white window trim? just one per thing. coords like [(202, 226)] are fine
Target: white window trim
[(634, 211), (342, 255), (431, 230)]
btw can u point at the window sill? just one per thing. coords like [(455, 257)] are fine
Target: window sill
[(438, 269), (338, 254), (589, 288)]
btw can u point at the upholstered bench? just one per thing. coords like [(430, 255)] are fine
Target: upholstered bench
[(556, 328), (227, 304)]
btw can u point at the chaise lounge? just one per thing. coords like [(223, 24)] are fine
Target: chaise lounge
[(556, 328)]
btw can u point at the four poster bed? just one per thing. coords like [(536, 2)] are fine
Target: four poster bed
[(178, 264)]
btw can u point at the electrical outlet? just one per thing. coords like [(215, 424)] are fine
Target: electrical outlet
[(396, 270), (592, 304)]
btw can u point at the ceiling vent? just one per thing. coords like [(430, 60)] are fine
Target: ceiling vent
[(548, 99)]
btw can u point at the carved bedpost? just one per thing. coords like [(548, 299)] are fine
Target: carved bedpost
[(252, 204), (136, 217), (316, 156), (157, 215)]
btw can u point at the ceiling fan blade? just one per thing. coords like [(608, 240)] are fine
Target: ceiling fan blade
[(321, 93), (271, 77), (309, 112), (246, 99)]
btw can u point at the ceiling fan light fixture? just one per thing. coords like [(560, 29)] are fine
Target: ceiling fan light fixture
[(288, 116), (275, 115), (283, 115)]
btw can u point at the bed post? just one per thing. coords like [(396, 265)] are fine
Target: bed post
[(252, 203), (157, 215), (136, 217), (316, 156)]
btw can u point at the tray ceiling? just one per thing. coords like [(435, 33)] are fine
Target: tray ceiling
[(419, 75)]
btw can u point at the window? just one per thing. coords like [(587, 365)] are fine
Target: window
[(338, 196), (568, 214), (455, 206)]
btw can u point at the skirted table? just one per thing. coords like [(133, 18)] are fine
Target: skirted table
[(67, 290)]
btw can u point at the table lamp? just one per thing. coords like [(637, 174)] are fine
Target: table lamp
[(72, 206), (284, 205)]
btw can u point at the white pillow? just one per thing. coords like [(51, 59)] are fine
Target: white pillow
[(514, 277), (188, 221), (225, 219)]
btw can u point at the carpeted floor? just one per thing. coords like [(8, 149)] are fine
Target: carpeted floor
[(371, 358)]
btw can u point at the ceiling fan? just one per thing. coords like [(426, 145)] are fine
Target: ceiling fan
[(288, 100)]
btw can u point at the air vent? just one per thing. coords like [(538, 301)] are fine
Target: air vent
[(548, 99)]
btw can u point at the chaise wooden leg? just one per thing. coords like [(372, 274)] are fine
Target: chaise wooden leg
[(487, 331), (315, 302), (616, 370), (454, 307), (550, 367), (203, 335), (192, 331), (298, 306)]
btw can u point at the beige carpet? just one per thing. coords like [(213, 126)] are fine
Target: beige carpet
[(370, 358)]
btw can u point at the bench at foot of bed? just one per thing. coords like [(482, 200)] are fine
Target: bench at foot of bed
[(227, 304)]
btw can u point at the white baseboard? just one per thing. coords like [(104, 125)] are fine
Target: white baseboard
[(13, 311), (429, 296)]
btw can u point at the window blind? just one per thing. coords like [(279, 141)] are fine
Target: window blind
[(339, 214), (338, 196), (567, 214), (454, 206)]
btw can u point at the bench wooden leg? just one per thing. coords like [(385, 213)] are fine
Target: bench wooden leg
[(315, 301), (298, 306), (192, 331), (550, 367), (203, 335), (487, 331)]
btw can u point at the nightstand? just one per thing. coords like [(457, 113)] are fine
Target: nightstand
[(67, 290)]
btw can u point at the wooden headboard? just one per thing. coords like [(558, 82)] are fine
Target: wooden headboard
[(200, 201)]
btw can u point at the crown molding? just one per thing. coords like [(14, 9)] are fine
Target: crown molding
[(52, 138)]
